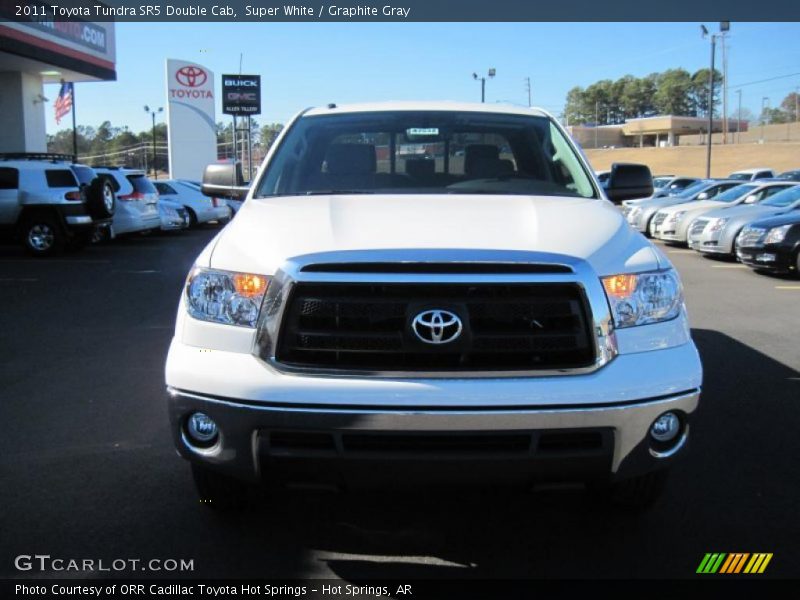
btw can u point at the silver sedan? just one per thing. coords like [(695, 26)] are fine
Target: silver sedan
[(639, 213), (716, 232)]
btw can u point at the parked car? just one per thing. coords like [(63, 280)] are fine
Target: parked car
[(49, 203), (671, 224), (790, 175), (137, 207), (201, 209), (488, 320), (771, 245), (752, 174), (174, 216), (640, 213), (671, 185), (716, 231)]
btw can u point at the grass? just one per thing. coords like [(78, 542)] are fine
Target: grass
[(691, 160)]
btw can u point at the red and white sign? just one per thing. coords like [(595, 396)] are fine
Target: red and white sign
[(190, 118)]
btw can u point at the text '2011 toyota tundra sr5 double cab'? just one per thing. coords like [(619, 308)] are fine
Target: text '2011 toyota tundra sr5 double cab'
[(430, 292)]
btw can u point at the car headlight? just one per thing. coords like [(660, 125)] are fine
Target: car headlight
[(643, 298), (718, 224), (777, 234), (677, 216), (225, 297)]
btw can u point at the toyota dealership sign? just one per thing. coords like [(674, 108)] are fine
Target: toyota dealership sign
[(191, 121)]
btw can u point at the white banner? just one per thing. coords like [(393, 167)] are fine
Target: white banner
[(191, 122)]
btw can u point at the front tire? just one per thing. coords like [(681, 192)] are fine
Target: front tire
[(220, 492), (42, 235)]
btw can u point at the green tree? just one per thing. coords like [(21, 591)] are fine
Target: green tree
[(698, 94), (672, 96)]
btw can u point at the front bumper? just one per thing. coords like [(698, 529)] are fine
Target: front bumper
[(769, 257), (251, 402), (273, 443)]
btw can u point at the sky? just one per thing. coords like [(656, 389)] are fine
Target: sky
[(309, 64)]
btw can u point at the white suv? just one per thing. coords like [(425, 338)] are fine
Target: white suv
[(50, 203), (478, 311)]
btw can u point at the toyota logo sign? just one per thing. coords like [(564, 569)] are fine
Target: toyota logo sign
[(190, 76)]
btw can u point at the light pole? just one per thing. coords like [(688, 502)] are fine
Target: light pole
[(528, 86), (490, 74), (764, 104), (153, 113), (739, 119), (710, 100)]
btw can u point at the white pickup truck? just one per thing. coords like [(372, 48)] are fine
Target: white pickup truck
[(478, 312)]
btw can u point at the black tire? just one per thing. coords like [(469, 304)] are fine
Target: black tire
[(192, 218), (43, 235), (634, 494), (797, 264), (101, 199), (220, 492)]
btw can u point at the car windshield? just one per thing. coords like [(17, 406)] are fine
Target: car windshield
[(660, 182), (735, 193), (425, 152), (693, 189), (740, 176), (784, 198)]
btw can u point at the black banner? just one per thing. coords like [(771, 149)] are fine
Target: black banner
[(399, 10)]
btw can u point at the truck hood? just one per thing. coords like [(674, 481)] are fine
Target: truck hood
[(267, 232)]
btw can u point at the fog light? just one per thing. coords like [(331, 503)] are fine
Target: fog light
[(666, 427), (202, 428)]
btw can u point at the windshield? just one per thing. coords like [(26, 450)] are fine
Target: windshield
[(740, 176), (430, 152), (693, 189), (660, 182), (784, 198), (735, 193)]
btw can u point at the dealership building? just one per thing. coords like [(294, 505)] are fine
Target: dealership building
[(33, 53), (659, 131)]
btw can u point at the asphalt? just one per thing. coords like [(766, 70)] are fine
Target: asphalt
[(88, 469)]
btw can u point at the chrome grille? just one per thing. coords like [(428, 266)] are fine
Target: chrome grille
[(751, 236), (698, 226)]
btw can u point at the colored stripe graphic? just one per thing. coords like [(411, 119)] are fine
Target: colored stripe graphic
[(734, 562)]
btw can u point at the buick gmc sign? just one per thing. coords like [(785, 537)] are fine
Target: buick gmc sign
[(241, 94)]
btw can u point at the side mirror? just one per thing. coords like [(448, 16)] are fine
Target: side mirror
[(224, 180), (751, 199), (702, 196), (628, 181)]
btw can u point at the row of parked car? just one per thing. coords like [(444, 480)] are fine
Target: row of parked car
[(50, 203), (752, 216)]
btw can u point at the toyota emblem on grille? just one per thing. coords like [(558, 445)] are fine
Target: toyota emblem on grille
[(437, 326)]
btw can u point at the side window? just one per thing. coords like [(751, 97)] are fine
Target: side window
[(681, 183), (763, 174), (60, 178), (767, 192), (165, 189), (9, 178)]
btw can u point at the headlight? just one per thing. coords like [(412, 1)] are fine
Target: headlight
[(644, 298), (718, 224), (777, 234), (225, 297), (677, 216)]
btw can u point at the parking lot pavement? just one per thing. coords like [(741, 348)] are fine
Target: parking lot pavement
[(89, 471)]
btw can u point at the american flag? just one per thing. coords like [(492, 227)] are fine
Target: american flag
[(64, 101)]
